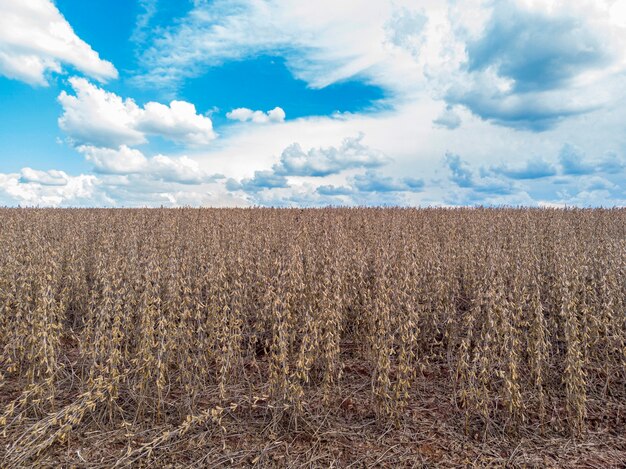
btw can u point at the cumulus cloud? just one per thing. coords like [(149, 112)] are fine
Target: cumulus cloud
[(122, 160), (243, 114), (538, 49), (97, 117), (434, 61), (35, 39), (598, 183), (577, 180), (334, 190), (316, 162), (178, 122), (535, 168), (492, 98), (125, 160), (310, 195), (45, 178), (119, 190), (537, 63), (319, 162), (372, 182), (573, 162), (260, 181), (375, 182), (462, 175), (48, 188), (182, 169), (612, 163)]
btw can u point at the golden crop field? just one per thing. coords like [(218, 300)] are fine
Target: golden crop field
[(312, 338)]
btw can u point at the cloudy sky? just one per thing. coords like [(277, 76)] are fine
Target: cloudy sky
[(293, 103)]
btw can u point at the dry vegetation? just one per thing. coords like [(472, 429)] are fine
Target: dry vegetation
[(344, 337)]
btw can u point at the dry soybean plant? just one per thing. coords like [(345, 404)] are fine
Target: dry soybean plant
[(154, 327)]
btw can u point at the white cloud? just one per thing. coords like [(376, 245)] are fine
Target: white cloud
[(312, 37), (177, 122), (323, 161), (148, 9), (114, 190), (36, 39), (134, 190), (262, 180), (327, 145), (416, 150), (420, 55), (45, 188), (182, 169), (470, 52), (125, 160), (374, 182), (243, 114), (309, 195), (534, 64), (535, 168), (45, 178), (618, 13), (97, 117), (314, 163)]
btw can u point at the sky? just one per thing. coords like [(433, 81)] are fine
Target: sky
[(132, 103)]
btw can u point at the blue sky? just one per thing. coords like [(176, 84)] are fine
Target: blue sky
[(286, 103)]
